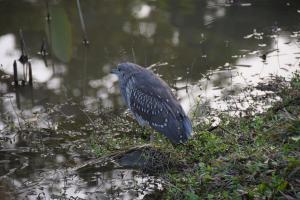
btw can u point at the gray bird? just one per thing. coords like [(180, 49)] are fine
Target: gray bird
[(152, 102)]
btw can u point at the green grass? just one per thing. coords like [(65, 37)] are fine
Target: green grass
[(233, 166)]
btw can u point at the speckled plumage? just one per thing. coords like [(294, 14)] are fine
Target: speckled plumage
[(152, 102)]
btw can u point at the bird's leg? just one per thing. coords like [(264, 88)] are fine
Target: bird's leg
[(152, 137), (144, 132), (175, 145)]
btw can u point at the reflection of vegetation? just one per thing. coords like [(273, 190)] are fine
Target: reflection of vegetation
[(60, 33)]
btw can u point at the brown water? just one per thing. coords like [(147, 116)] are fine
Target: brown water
[(213, 48)]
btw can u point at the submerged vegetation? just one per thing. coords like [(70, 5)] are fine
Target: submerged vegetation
[(251, 157)]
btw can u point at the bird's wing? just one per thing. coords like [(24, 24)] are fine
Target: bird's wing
[(153, 102), (146, 106)]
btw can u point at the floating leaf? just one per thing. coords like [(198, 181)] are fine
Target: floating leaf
[(296, 138), (262, 45), (248, 36)]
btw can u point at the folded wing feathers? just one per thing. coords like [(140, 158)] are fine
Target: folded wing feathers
[(165, 116)]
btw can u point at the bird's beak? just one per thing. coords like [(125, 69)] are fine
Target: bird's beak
[(114, 71)]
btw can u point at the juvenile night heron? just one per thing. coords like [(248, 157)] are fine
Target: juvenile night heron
[(152, 102)]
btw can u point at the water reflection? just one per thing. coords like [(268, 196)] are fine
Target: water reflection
[(249, 69), (214, 48)]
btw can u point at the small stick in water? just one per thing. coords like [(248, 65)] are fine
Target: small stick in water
[(85, 39), (15, 73), (24, 57), (30, 73), (48, 16), (43, 52)]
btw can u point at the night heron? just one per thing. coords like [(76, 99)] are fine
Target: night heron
[(152, 102)]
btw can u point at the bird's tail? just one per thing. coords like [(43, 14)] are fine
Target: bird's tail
[(187, 127)]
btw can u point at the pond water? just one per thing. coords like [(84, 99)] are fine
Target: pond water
[(205, 50)]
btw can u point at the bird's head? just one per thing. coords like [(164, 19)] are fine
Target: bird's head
[(125, 69)]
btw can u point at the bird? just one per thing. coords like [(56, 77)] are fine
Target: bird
[(152, 102)]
